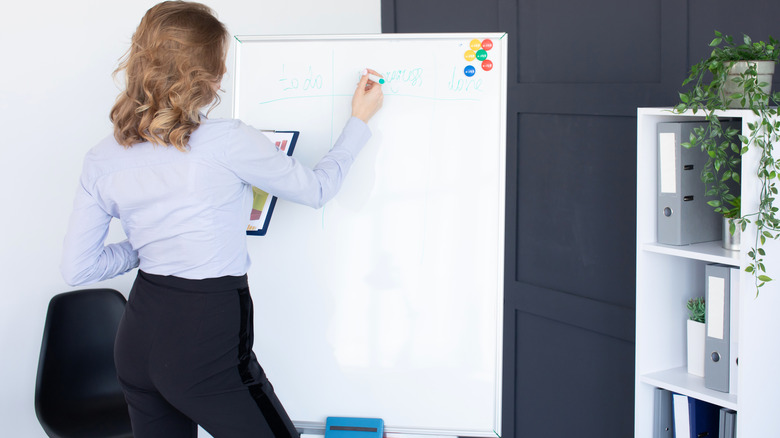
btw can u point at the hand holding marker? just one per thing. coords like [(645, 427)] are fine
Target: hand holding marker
[(374, 77), (367, 98)]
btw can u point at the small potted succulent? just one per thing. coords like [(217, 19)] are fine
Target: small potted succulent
[(696, 336)]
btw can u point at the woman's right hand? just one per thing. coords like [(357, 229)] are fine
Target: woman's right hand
[(368, 97)]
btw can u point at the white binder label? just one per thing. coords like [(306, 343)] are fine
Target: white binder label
[(716, 299), (666, 154)]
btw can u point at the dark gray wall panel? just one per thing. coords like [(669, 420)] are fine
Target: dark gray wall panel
[(448, 16), (556, 355), (575, 224), (597, 41)]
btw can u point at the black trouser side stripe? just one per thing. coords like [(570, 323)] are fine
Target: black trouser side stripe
[(271, 414)]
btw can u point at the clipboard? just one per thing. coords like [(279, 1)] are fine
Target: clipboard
[(263, 203)]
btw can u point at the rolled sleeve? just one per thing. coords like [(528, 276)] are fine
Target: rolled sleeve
[(85, 257)]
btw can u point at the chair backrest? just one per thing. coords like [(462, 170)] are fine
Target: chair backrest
[(76, 364)]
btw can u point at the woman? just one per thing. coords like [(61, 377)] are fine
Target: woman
[(181, 185)]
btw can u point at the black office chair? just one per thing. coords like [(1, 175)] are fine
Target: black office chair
[(77, 394)]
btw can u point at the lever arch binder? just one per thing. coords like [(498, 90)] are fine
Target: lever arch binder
[(727, 427), (717, 344), (734, 329), (663, 426), (684, 217)]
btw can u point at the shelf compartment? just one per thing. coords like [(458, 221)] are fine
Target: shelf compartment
[(680, 381), (712, 252)]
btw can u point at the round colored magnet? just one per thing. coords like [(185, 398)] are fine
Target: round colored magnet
[(469, 70)]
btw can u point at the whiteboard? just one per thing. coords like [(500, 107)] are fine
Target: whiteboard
[(387, 302)]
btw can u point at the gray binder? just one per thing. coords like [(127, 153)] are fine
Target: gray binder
[(663, 414), (727, 427), (684, 217), (734, 330), (717, 344)]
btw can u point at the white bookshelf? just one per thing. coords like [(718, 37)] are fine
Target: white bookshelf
[(667, 276)]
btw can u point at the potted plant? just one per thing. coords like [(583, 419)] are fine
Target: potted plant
[(733, 77), (696, 336)]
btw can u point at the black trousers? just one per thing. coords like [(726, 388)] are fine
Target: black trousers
[(184, 358)]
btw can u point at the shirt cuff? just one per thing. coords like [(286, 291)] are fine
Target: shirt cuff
[(131, 259)]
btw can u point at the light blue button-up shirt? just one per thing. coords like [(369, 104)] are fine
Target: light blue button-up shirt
[(185, 213)]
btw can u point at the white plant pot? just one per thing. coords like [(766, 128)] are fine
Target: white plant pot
[(764, 70), (696, 337)]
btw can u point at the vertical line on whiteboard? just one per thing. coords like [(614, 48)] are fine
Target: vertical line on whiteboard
[(332, 90), (430, 158), (332, 109)]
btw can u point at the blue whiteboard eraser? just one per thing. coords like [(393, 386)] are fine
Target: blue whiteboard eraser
[(351, 427)]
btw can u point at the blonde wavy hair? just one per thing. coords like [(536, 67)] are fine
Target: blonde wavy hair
[(173, 69)]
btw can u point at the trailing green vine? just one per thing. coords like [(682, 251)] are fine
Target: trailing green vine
[(725, 147), (763, 134)]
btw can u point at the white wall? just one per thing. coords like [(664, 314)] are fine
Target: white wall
[(55, 94)]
